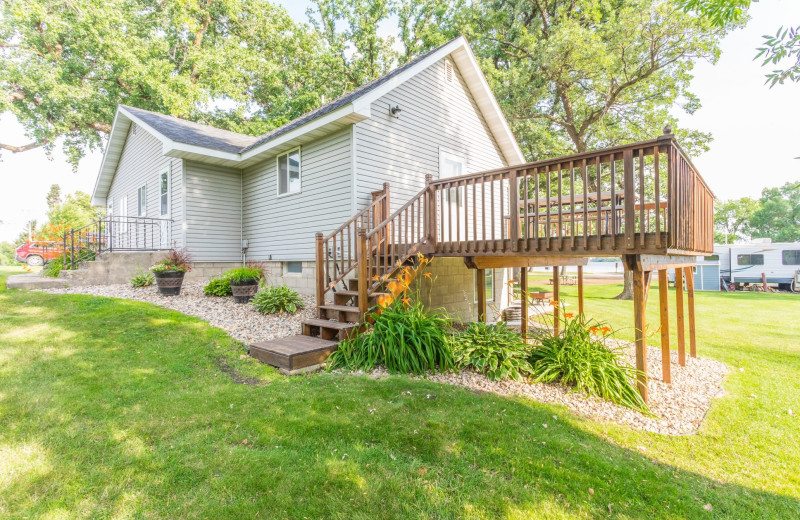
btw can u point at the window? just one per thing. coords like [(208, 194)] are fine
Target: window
[(141, 201), (488, 283), (791, 257), (289, 172), (451, 165), (750, 259), (294, 267), (711, 258), (110, 208), (164, 194)]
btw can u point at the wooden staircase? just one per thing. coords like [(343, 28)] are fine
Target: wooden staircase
[(363, 265)]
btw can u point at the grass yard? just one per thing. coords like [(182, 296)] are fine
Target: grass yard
[(118, 409)]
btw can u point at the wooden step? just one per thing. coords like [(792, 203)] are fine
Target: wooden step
[(293, 352), (344, 313), (344, 297), (328, 329)]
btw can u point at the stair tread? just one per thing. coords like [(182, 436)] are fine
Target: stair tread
[(317, 322), (355, 293), (291, 345), (345, 308)]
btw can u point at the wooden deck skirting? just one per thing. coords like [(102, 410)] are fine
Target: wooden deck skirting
[(644, 202)]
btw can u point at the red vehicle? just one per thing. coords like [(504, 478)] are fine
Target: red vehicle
[(38, 252)]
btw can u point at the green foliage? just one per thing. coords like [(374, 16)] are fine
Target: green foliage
[(785, 45), (241, 274), (54, 267), (7, 253), (732, 219), (271, 300), (176, 260), (495, 350), (404, 338), (142, 279), (219, 286), (579, 359), (778, 214), (721, 13)]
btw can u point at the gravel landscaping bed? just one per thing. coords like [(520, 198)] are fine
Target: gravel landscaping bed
[(679, 407), (241, 321)]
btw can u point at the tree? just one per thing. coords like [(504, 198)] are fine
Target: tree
[(732, 219), (7, 253), (778, 215), (66, 65), (54, 196), (75, 212)]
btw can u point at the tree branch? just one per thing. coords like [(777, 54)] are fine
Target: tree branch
[(23, 148)]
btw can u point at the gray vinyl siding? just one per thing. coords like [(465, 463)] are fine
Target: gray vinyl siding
[(213, 215), (140, 164), (283, 228), (435, 114)]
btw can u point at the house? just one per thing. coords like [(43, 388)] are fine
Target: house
[(228, 197)]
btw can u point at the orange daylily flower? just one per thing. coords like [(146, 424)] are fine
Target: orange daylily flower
[(376, 277), (569, 315), (406, 301), (554, 303), (606, 330), (427, 275)]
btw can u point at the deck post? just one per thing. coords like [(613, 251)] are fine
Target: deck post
[(320, 274), (480, 275), (680, 320), (639, 304), (630, 198), (580, 290), (386, 202), (523, 287), (663, 299), (690, 305), (363, 277), (430, 211), (513, 207), (557, 300)]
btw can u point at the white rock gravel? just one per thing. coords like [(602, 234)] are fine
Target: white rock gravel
[(242, 321), (679, 407)]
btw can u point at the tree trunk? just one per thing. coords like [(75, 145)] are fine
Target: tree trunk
[(627, 291)]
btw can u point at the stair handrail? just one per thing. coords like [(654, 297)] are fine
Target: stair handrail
[(327, 275)]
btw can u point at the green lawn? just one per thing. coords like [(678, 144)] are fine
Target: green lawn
[(117, 409)]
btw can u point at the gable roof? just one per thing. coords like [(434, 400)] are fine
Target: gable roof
[(185, 139)]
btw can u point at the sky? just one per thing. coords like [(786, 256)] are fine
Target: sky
[(756, 129)]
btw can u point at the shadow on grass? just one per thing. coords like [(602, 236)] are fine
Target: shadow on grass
[(140, 420)]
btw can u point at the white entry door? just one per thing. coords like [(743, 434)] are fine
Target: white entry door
[(452, 165)]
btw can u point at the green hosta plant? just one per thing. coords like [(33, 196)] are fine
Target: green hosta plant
[(580, 356), (219, 286), (142, 279), (271, 300), (495, 350), (404, 338)]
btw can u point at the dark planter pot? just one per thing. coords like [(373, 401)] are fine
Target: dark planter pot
[(169, 282), (244, 290)]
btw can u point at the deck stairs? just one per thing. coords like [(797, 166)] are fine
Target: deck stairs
[(381, 276)]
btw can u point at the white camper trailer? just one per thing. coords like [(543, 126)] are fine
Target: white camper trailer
[(779, 263)]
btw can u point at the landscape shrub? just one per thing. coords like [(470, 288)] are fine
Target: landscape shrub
[(404, 338), (578, 358), (495, 350), (271, 300), (240, 274), (176, 261), (54, 267), (219, 286), (142, 279)]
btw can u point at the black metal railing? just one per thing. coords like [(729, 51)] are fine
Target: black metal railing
[(116, 234)]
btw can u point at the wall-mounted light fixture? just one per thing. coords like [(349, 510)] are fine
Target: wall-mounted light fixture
[(395, 110)]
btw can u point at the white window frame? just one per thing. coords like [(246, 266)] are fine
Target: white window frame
[(168, 194), (110, 207), (445, 156), (278, 172), (289, 273), (141, 201), (487, 273)]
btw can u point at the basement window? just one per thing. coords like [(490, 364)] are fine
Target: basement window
[(289, 172), (294, 267)]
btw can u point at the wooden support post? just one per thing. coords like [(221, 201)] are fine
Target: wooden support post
[(580, 290), (523, 287), (480, 278), (690, 305), (557, 307), (679, 308), (320, 274), (363, 276), (663, 299), (639, 305)]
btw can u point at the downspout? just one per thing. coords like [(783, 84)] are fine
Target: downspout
[(241, 217)]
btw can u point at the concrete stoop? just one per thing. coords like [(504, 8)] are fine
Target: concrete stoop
[(112, 267), (33, 281)]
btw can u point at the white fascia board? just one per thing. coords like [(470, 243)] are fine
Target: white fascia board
[(349, 113), (176, 149), (484, 97), (367, 99), (107, 168)]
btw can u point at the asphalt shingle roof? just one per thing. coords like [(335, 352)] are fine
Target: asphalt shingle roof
[(188, 132)]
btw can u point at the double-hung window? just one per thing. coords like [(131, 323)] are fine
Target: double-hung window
[(164, 195), (141, 202), (289, 172)]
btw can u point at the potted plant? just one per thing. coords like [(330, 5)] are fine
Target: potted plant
[(170, 271), (244, 282)]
